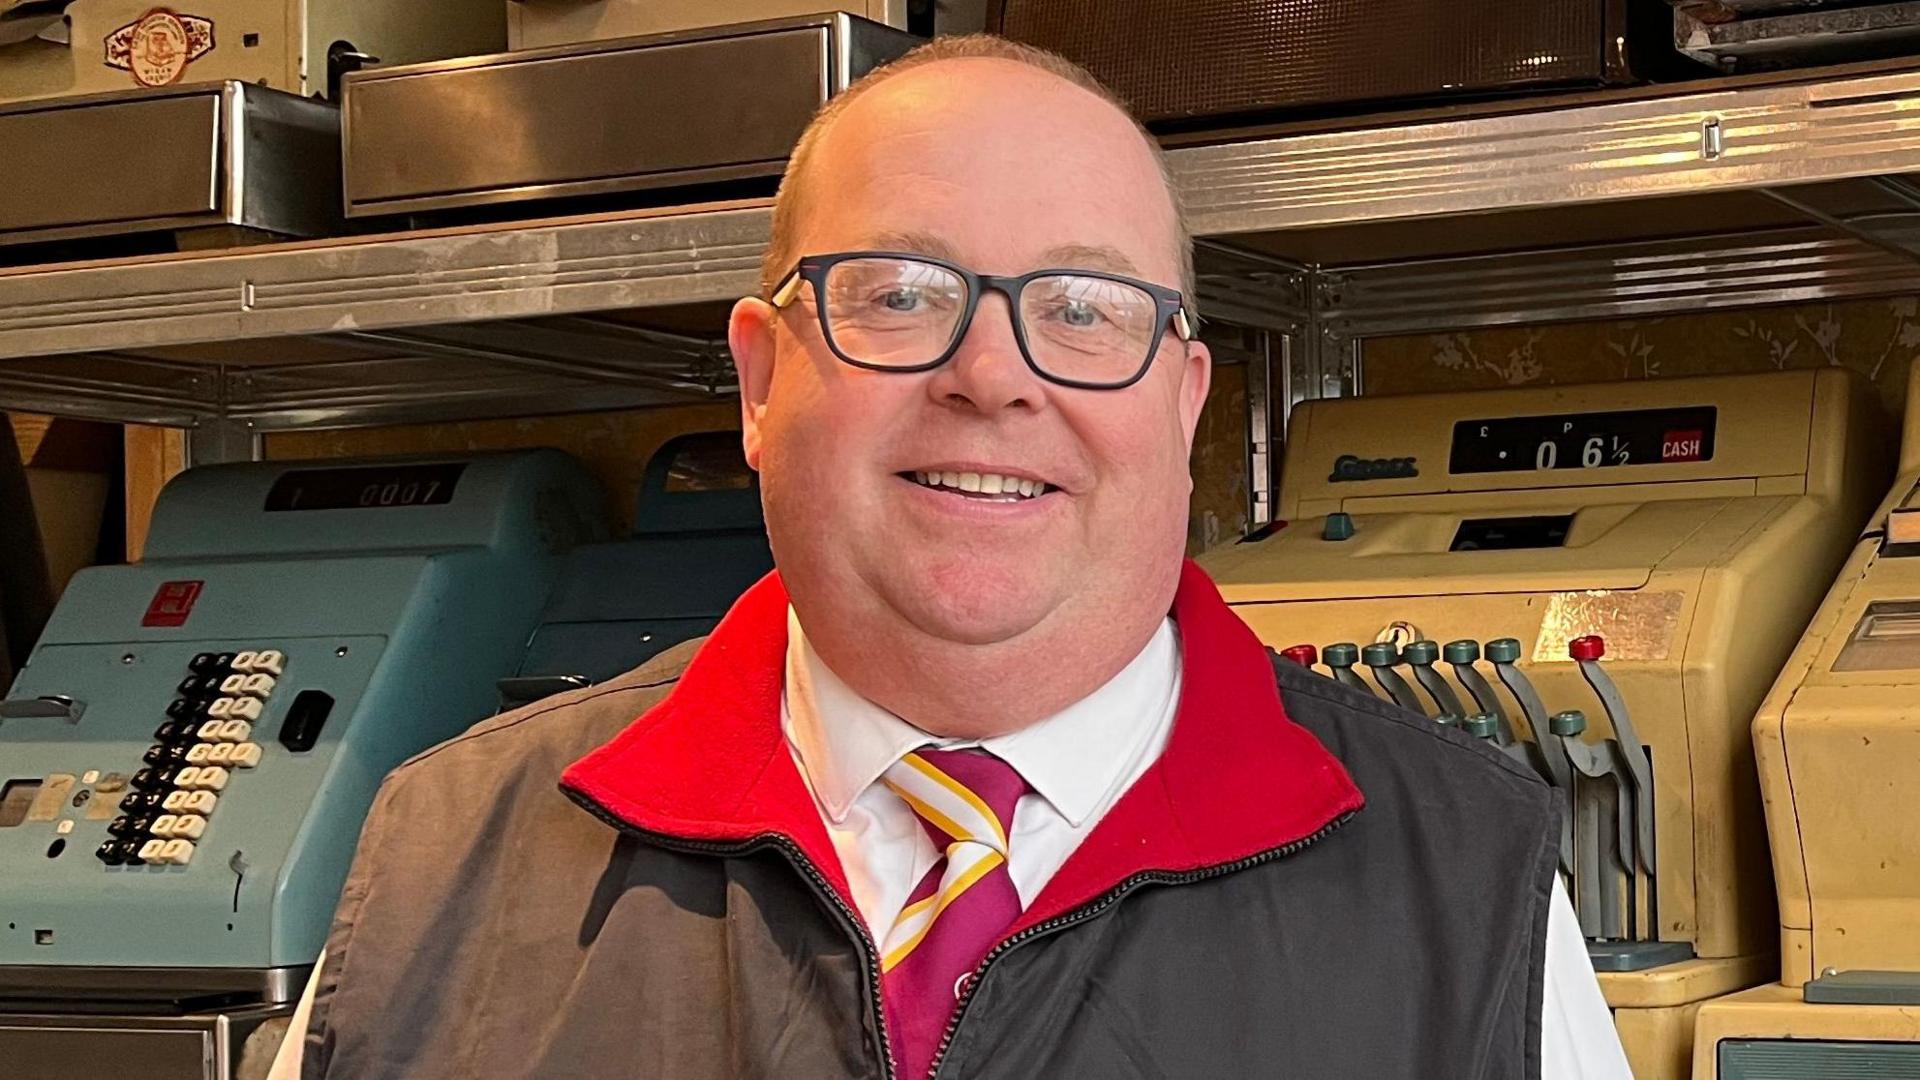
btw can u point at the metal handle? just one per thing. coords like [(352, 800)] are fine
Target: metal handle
[(50, 706)]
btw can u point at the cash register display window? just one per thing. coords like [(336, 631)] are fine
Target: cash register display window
[(1887, 638), (370, 487), (1512, 533), (16, 797), (1583, 440)]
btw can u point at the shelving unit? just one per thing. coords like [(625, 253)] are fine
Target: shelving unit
[(1588, 206)]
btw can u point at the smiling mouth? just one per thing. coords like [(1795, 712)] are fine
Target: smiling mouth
[(991, 487)]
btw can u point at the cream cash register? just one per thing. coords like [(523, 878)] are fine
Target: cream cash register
[(1604, 580), (1838, 742)]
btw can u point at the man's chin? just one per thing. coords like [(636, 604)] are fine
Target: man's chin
[(983, 611)]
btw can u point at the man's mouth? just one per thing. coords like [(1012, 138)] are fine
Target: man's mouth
[(993, 487)]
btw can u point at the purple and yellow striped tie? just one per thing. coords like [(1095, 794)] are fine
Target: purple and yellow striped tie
[(965, 904)]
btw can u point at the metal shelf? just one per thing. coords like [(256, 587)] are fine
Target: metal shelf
[(1604, 205)]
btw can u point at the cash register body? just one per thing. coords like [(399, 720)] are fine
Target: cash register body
[(395, 594), (1838, 744), (1698, 560)]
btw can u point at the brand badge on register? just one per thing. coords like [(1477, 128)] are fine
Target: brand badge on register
[(1683, 446), (158, 46), (172, 602)]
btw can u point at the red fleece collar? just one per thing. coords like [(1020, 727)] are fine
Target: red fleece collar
[(710, 762)]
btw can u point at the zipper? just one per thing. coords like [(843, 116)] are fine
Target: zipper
[(821, 886), (852, 919), (1108, 899)]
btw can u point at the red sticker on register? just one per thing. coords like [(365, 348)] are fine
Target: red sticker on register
[(172, 603), (1682, 445)]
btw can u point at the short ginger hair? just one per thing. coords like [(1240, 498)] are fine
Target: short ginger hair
[(780, 255)]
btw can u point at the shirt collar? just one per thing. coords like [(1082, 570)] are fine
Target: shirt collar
[(1074, 759)]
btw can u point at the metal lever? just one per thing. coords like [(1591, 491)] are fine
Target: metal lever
[(1420, 656), (1503, 653), (49, 706), (1340, 658), (1304, 655), (1381, 656), (1462, 654), (1587, 651), (1596, 887)]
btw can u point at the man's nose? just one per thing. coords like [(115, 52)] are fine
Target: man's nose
[(987, 372)]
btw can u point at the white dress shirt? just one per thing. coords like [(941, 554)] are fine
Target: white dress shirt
[(1079, 762)]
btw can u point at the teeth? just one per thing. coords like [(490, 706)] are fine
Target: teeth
[(981, 483)]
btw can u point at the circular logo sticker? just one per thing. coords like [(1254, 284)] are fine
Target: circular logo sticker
[(158, 46)]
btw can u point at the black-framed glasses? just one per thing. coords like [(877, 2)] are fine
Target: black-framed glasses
[(897, 311)]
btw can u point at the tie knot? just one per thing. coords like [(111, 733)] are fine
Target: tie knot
[(960, 794)]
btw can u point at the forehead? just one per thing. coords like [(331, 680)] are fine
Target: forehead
[(996, 165)]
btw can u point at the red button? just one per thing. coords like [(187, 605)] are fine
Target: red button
[(172, 602), (1591, 647), (1304, 655)]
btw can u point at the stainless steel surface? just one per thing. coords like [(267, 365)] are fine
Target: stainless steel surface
[(28, 984), (1769, 135), (214, 154), (592, 119)]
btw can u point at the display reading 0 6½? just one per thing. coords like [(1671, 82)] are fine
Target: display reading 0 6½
[(1583, 440)]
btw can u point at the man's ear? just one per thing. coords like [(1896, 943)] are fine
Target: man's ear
[(750, 335), (1196, 378)]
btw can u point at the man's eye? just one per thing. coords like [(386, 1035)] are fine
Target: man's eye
[(1078, 314), (901, 300)]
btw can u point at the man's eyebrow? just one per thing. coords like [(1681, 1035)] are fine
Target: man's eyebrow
[(917, 243), (1089, 257)]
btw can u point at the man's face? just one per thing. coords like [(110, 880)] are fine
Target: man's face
[(1003, 170)]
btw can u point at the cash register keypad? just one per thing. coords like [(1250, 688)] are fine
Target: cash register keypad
[(206, 738)]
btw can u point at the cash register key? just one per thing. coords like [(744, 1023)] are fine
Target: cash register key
[(178, 852), (192, 686), (223, 663), (1571, 722), (1464, 651), (220, 710), (245, 709), (1420, 652), (129, 851), (109, 852), (1590, 647), (1304, 655), (259, 684), (139, 802), (203, 663), (165, 754), (219, 753), (1482, 725), (1380, 654), (211, 778), (153, 779), (271, 662), (246, 755), (180, 708), (175, 731), (243, 660), (210, 731), (176, 801), (200, 751), (150, 851), (233, 685), (122, 826), (1342, 654), (189, 827), (1504, 650), (201, 802), (189, 778), (235, 731), (163, 825)]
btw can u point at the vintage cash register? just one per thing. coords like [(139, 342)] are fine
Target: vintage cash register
[(698, 542), (187, 757), (1838, 743), (1634, 561)]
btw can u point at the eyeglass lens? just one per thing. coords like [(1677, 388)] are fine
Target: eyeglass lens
[(894, 312)]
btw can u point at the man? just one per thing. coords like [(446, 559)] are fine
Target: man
[(985, 781)]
